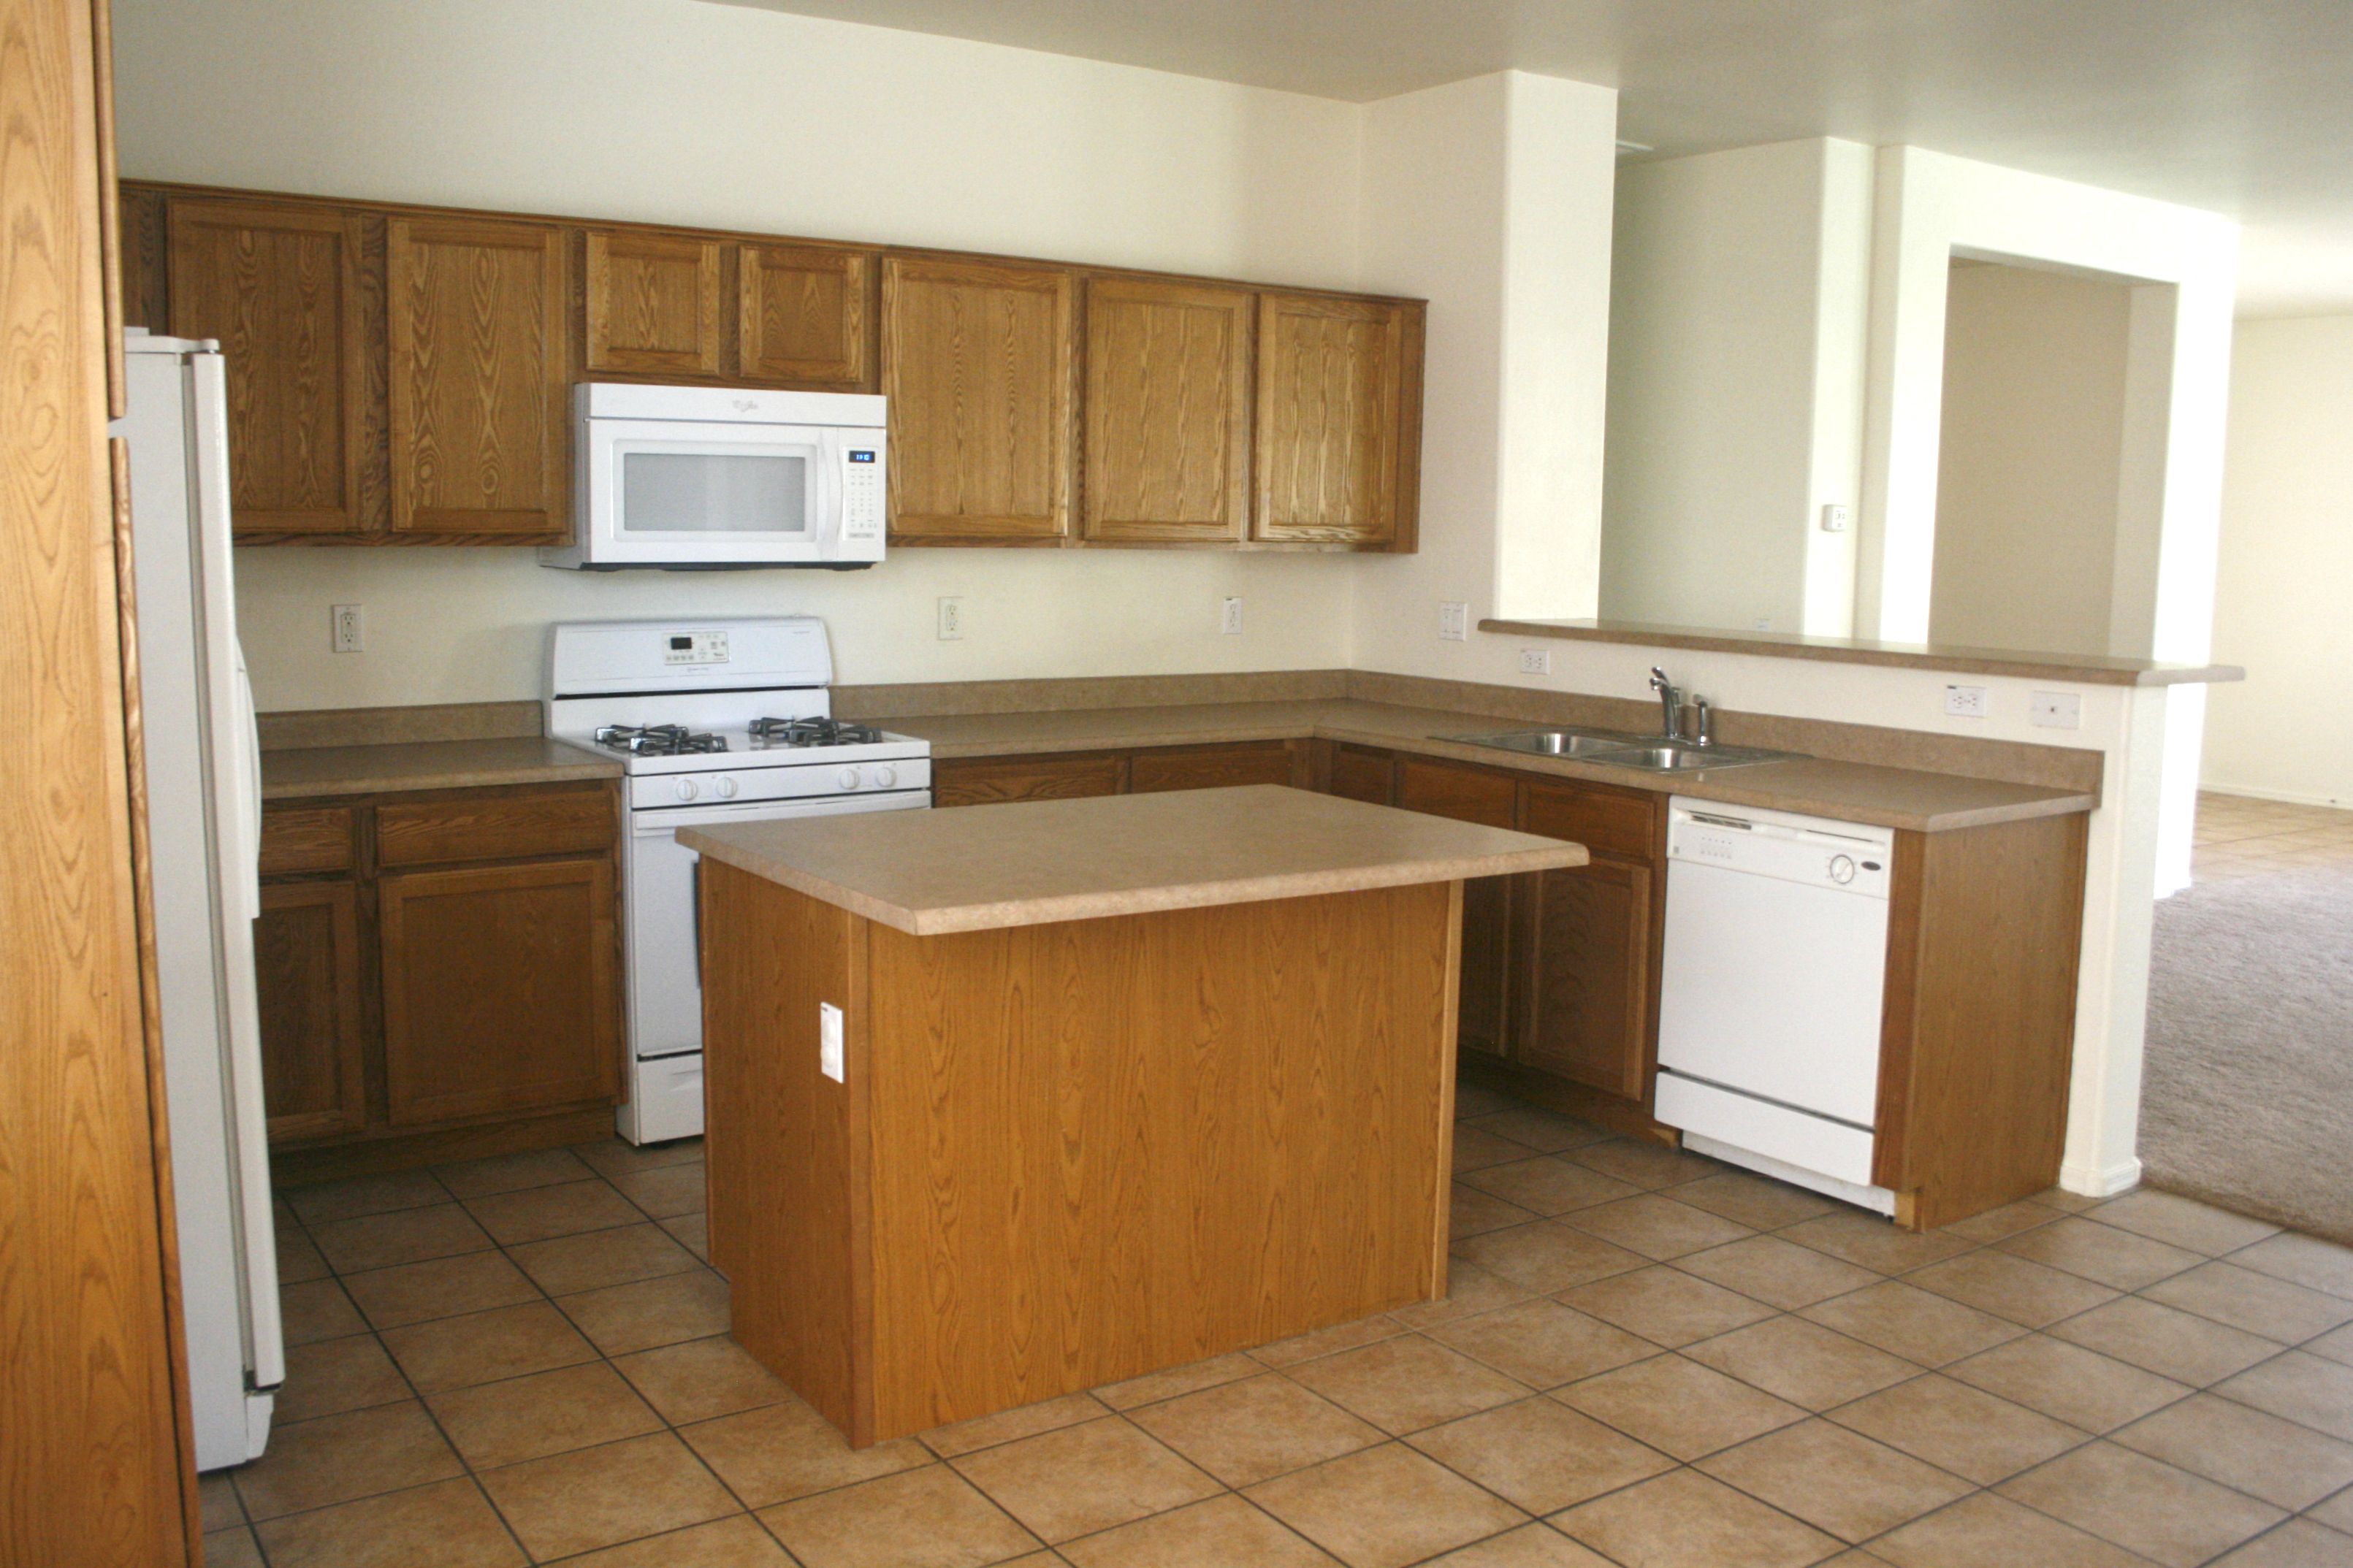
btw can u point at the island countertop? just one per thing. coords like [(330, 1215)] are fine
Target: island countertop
[(982, 867)]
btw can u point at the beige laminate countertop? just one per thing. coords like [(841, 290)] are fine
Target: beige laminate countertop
[(311, 772), (1849, 791), (982, 867)]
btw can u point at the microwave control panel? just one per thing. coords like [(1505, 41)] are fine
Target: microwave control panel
[(861, 492)]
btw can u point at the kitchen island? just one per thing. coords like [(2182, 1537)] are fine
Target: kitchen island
[(1013, 1101)]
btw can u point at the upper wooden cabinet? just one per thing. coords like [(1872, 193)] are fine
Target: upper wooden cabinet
[(1338, 408), (1167, 411), (653, 304), (976, 362), (804, 316), (401, 375), (279, 284), (479, 383)]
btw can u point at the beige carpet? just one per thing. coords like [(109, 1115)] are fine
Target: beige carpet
[(2247, 1098)]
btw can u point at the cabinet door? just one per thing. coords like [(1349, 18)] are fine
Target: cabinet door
[(1363, 774), (279, 284), (1167, 411), (1332, 416), (653, 304), (499, 989), (480, 423), (1587, 1013), (976, 361), (306, 970), (1474, 795), (803, 315), (986, 782), (1209, 767)]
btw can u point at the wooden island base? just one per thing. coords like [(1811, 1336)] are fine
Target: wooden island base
[(1065, 1155)]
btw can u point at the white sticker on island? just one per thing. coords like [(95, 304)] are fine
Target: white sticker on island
[(829, 1040)]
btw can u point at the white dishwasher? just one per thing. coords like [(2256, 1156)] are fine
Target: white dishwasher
[(1775, 966)]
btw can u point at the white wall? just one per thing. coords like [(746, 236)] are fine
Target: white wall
[(1735, 386), (2286, 557), (2030, 450), (1489, 197), (673, 111)]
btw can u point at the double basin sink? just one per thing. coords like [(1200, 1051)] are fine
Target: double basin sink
[(1645, 754)]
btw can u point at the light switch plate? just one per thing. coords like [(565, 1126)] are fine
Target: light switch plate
[(829, 1040), (1453, 620), (2057, 709), (1230, 621)]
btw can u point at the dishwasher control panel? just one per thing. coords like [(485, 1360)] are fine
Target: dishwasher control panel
[(1850, 857)]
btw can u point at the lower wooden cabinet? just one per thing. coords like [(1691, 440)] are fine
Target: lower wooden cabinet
[(1489, 981), (306, 963), (1589, 976), (1071, 775), (500, 993), (443, 963)]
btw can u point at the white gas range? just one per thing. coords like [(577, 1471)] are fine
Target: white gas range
[(713, 721)]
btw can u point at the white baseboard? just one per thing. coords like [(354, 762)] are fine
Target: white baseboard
[(2286, 796), (2091, 1181)]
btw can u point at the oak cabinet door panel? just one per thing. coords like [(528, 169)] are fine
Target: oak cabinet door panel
[(306, 965), (1209, 767), (278, 286), (1361, 774), (500, 993), (1587, 1013), (480, 384), (1474, 795), (1331, 419), (989, 781), (653, 304), (803, 315), (1167, 411), (978, 362)]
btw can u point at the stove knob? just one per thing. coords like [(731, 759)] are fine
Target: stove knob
[(849, 778), (725, 787), (886, 776), (688, 789), (1842, 869)]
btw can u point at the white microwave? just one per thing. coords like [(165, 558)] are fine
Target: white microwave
[(712, 477)]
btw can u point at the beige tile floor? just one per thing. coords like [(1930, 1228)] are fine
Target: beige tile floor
[(2239, 836), (1648, 1358)]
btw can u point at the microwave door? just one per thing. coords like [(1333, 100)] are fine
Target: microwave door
[(667, 493)]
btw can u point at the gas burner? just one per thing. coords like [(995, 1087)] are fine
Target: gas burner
[(774, 732), (658, 739)]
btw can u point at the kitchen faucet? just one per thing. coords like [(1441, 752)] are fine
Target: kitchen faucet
[(1671, 713)]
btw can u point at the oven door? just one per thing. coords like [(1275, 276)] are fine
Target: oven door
[(662, 934), (663, 492)]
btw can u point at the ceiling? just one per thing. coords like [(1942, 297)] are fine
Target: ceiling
[(2243, 107)]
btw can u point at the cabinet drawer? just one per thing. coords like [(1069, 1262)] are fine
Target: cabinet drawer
[(1363, 774), (1209, 767), (1449, 789), (1618, 822), (983, 782), (496, 828), (306, 838)]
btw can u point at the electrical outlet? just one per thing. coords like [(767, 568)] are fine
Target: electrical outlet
[(829, 1040), (2056, 710), (1965, 701), (1453, 620), (1835, 518), (347, 628), (951, 619), (1230, 624), (1535, 661)]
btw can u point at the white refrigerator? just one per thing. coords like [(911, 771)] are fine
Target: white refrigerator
[(204, 826)]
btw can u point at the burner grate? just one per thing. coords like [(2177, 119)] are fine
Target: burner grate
[(658, 739), (774, 732)]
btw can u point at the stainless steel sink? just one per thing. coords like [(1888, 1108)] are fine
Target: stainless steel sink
[(1554, 743), (1653, 755)]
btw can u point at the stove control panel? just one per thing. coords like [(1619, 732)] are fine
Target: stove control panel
[(748, 787), (694, 647)]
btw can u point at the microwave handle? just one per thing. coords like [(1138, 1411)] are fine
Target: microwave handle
[(832, 455)]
